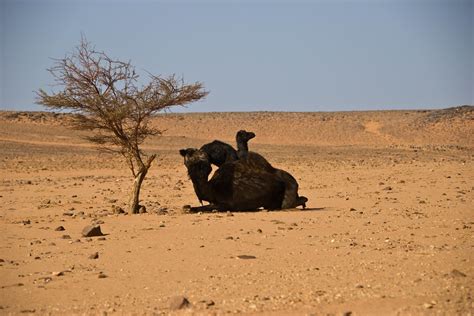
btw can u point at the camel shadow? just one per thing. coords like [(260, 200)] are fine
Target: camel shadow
[(211, 209)]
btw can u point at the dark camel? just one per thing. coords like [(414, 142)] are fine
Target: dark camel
[(235, 186), (258, 162)]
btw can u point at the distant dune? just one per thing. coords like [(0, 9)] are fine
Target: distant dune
[(452, 126)]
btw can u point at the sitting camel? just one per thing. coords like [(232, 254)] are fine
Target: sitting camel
[(235, 186), (258, 162)]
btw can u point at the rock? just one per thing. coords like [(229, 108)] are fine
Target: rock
[(208, 303), (59, 228), (68, 213), (26, 222), (117, 210), (187, 208), (246, 257), (458, 274), (388, 188), (66, 237), (102, 275), (352, 209), (95, 255), (179, 302), (58, 273), (92, 231)]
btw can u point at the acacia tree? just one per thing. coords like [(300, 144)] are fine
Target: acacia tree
[(107, 99)]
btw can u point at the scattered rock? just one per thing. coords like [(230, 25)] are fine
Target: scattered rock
[(102, 275), (66, 237), (179, 302), (68, 213), (59, 228), (95, 255), (26, 222), (92, 231), (246, 257)]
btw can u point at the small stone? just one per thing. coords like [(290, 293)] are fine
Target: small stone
[(186, 208), (66, 237), (92, 231), (259, 231), (245, 257), (458, 274), (388, 188), (352, 209), (95, 255), (117, 210), (26, 222), (59, 228), (179, 302), (208, 303), (428, 305), (102, 275), (68, 213), (57, 273), (229, 213)]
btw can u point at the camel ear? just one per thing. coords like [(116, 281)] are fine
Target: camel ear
[(183, 152)]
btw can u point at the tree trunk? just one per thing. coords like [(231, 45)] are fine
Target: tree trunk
[(134, 203)]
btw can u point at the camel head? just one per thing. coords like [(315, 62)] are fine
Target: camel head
[(244, 136), (197, 162)]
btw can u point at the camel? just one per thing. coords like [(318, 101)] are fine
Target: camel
[(235, 186), (258, 162)]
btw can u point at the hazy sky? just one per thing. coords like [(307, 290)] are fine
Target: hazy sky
[(257, 55)]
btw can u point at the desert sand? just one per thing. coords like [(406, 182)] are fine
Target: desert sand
[(388, 229)]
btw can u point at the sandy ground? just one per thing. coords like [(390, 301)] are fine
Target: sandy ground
[(388, 229)]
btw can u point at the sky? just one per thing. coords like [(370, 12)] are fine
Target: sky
[(257, 55)]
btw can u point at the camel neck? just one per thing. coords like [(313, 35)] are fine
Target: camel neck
[(242, 148), (202, 187)]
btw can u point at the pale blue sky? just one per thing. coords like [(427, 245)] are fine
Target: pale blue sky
[(257, 55)]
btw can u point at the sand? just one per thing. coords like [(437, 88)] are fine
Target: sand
[(388, 229)]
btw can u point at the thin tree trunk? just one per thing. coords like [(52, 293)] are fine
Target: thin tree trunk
[(134, 203)]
